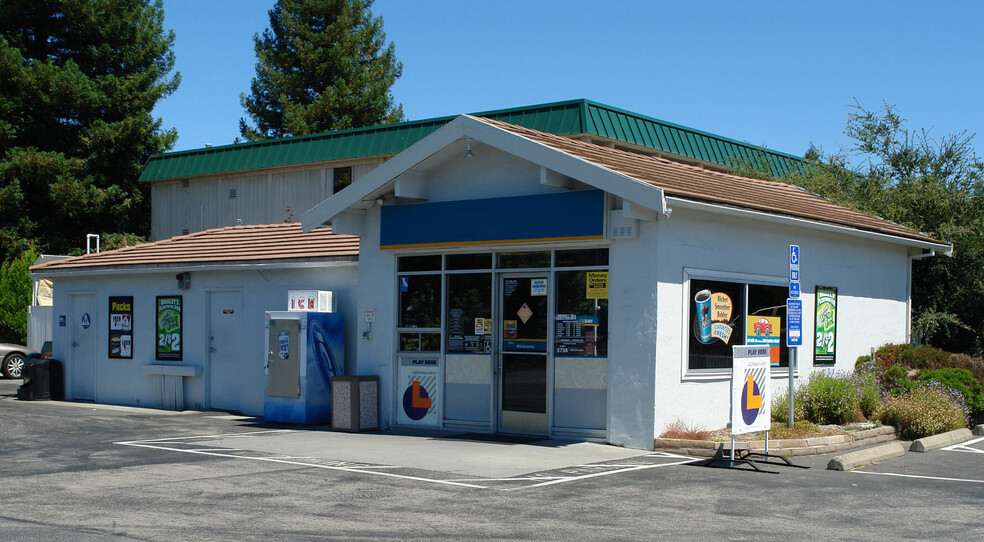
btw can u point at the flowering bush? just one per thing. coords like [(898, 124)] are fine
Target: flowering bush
[(780, 408), (866, 380), (830, 398), (924, 410)]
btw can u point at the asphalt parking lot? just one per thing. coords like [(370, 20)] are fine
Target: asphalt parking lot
[(91, 472)]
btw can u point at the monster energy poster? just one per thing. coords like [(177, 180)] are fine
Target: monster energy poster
[(169, 328), (826, 326)]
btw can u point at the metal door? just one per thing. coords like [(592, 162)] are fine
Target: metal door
[(523, 324), (225, 357), (283, 359), (83, 352)]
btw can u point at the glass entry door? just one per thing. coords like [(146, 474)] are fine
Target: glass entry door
[(522, 355)]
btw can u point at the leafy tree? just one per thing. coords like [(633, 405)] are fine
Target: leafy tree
[(78, 82), (322, 65), (15, 296), (935, 186)]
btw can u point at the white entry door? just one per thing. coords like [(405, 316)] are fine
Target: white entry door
[(83, 341), (225, 360)]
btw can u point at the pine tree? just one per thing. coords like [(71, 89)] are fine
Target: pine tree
[(78, 82), (322, 65)]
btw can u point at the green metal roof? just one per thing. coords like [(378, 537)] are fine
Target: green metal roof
[(561, 118)]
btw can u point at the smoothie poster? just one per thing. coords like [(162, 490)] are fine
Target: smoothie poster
[(826, 326), (169, 328)]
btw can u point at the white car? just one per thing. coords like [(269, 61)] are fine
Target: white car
[(13, 356)]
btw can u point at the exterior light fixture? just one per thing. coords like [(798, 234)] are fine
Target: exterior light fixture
[(468, 151)]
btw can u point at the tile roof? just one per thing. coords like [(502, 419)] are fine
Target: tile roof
[(270, 243), (702, 185)]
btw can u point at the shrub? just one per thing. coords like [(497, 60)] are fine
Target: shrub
[(830, 398), (960, 380), (895, 380), (972, 364), (866, 379), (680, 430), (780, 408), (924, 410)]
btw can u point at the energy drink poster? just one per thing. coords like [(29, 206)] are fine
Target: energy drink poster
[(418, 387), (169, 328), (121, 327), (824, 346)]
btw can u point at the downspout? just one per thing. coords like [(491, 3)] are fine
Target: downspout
[(908, 286)]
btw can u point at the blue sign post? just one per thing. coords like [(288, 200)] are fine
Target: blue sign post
[(794, 322), (794, 319)]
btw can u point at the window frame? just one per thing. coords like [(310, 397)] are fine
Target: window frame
[(745, 279)]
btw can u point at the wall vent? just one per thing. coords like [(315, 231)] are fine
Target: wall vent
[(232, 193), (621, 227), (184, 231), (184, 183)]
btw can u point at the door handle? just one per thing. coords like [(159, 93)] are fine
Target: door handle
[(75, 344), (211, 349)]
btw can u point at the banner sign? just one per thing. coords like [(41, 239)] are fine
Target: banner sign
[(750, 398), (121, 327), (169, 331), (418, 381), (824, 347)]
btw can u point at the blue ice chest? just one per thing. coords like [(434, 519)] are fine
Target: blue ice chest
[(304, 352)]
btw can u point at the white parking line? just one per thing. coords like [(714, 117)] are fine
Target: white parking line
[(297, 463), (920, 477), (182, 445), (608, 473), (965, 447)]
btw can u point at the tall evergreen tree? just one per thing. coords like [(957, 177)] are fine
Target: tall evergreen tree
[(78, 82), (322, 65)]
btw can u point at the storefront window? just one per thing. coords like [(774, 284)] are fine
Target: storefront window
[(469, 316), (724, 314), (469, 261), (581, 318), (523, 260), (582, 258), (420, 313), (407, 264)]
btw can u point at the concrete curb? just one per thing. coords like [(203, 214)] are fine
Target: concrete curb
[(979, 430), (867, 456), (933, 442)]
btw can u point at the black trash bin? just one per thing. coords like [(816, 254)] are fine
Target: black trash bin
[(56, 383), (37, 380)]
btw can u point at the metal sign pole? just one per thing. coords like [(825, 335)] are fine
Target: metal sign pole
[(792, 359)]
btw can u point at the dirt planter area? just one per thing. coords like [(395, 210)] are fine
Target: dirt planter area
[(786, 447)]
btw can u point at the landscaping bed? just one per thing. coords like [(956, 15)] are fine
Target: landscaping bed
[(803, 439)]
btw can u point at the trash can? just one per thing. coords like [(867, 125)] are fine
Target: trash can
[(37, 380), (56, 377), (355, 403)]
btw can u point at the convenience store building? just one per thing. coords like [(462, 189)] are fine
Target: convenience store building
[(512, 280)]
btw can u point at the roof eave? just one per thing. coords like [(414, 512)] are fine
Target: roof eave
[(936, 247)]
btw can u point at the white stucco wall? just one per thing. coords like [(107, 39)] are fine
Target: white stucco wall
[(122, 382), (872, 305)]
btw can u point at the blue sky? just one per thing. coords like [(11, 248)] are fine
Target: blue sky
[(780, 74)]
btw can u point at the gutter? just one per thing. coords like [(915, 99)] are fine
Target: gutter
[(170, 268)]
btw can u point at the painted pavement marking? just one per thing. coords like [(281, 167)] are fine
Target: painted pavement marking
[(547, 478), (966, 447), (941, 478)]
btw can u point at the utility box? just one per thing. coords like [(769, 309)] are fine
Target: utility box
[(304, 352), (355, 403)]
